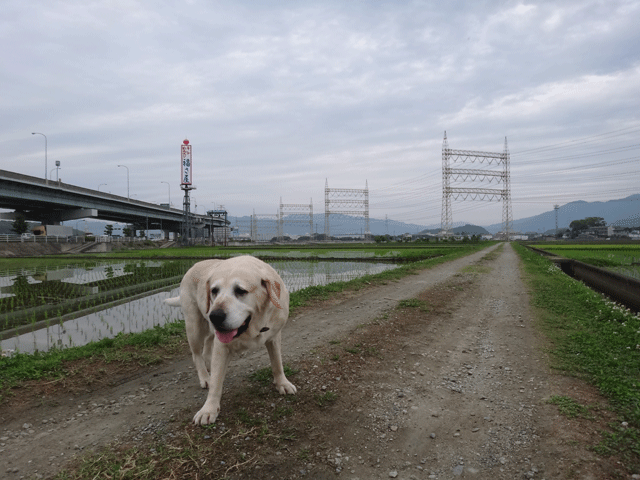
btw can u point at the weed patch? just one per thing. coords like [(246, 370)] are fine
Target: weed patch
[(414, 303), (569, 407), (476, 269), (326, 398)]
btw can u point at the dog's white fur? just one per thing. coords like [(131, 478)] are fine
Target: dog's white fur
[(228, 292)]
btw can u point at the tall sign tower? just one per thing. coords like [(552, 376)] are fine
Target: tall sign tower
[(186, 184)]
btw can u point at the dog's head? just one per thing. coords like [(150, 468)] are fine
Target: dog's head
[(238, 291)]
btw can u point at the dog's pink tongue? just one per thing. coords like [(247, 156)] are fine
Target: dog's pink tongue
[(226, 337)]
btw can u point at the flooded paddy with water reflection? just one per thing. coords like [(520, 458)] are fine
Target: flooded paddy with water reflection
[(44, 290)]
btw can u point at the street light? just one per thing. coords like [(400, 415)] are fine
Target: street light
[(169, 187), (100, 186), (127, 179), (45, 154)]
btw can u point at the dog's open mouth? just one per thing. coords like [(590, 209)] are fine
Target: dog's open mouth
[(227, 336)]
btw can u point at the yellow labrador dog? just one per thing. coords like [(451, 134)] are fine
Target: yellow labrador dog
[(230, 306)]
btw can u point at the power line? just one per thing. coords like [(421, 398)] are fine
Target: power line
[(417, 199)]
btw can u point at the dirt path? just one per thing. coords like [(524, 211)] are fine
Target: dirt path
[(456, 391)]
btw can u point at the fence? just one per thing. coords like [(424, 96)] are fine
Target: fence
[(69, 239), (39, 239)]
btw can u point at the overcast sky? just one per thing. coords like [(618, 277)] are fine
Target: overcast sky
[(278, 96)]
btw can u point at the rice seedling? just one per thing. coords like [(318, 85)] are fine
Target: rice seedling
[(115, 289)]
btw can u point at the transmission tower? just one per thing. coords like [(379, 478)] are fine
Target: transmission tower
[(556, 208), (243, 228), (264, 226), (346, 201), (451, 157), (295, 214)]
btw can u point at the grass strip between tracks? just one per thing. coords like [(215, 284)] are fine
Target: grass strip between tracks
[(151, 346), (595, 339)]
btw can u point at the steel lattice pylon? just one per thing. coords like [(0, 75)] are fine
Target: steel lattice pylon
[(293, 214), (449, 175), (264, 226), (347, 201), (243, 228)]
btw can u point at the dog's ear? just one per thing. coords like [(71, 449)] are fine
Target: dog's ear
[(273, 290)]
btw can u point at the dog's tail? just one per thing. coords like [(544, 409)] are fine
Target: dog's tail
[(173, 302)]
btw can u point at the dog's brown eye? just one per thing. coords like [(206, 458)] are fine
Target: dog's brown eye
[(239, 291), (214, 291)]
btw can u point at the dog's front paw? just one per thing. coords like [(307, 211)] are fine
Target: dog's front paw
[(286, 386), (206, 415)]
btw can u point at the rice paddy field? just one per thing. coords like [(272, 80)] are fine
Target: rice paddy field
[(62, 302), (619, 258)]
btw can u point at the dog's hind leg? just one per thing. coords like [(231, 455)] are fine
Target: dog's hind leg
[(275, 355)]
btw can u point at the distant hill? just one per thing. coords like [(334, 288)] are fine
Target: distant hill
[(623, 212), (344, 224), (340, 225), (466, 229)]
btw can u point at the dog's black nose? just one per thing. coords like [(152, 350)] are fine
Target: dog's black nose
[(217, 317)]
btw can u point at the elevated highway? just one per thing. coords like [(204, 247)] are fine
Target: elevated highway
[(51, 202)]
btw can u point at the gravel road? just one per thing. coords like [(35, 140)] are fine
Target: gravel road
[(460, 393)]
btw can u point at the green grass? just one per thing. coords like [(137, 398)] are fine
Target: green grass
[(355, 350), (569, 407), (264, 376), (598, 254), (408, 252), (326, 398), (476, 269), (140, 348), (594, 339), (413, 303)]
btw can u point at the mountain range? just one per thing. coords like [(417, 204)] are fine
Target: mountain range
[(624, 212)]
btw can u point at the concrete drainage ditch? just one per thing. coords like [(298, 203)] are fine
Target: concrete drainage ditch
[(622, 289)]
